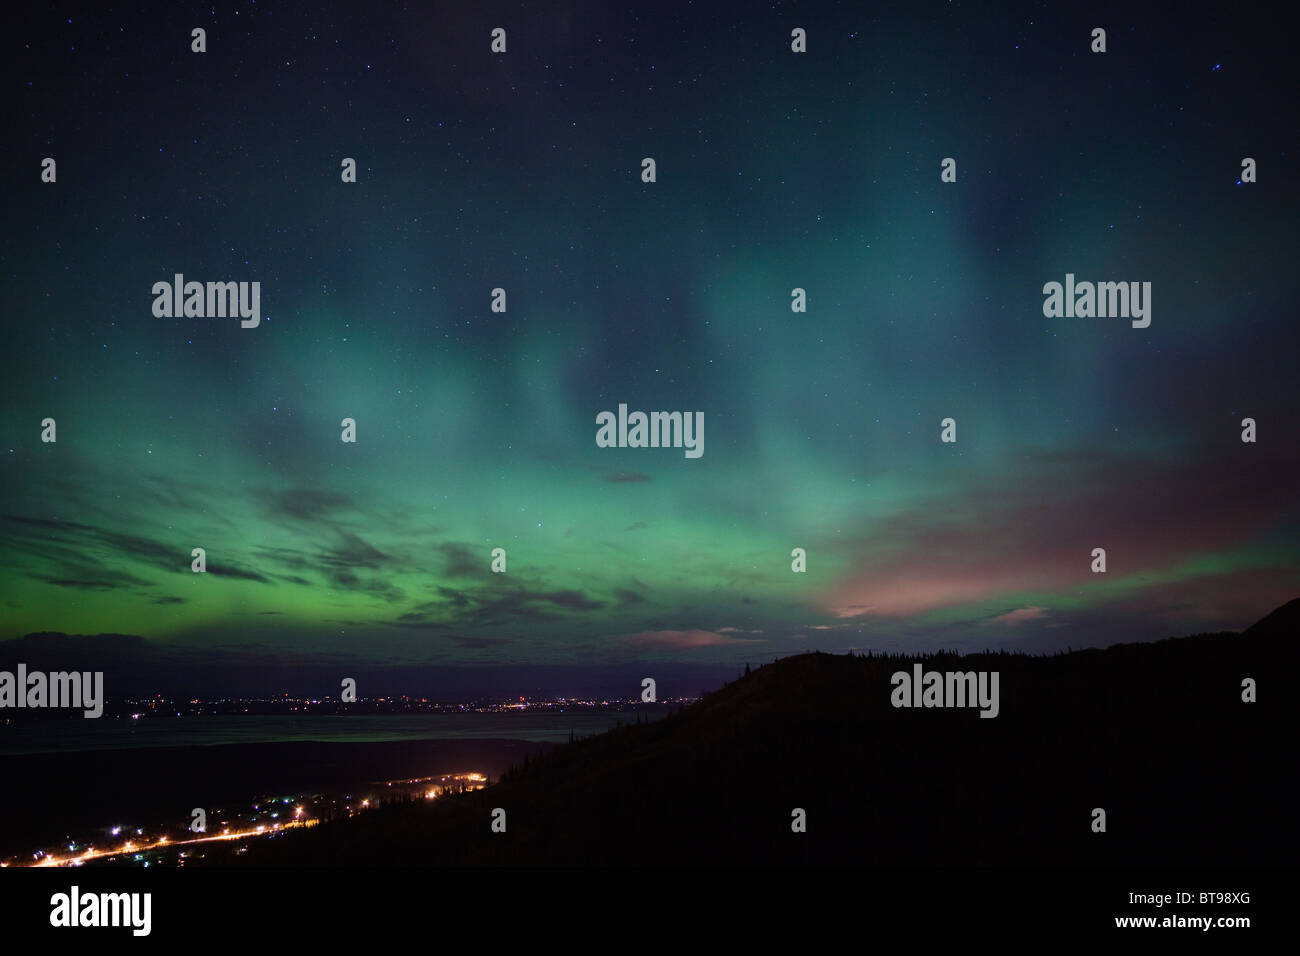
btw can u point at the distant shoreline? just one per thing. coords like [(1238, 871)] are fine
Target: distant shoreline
[(72, 736)]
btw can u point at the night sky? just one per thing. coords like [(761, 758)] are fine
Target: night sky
[(476, 430)]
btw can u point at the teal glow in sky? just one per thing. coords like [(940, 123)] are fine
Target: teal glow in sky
[(476, 430)]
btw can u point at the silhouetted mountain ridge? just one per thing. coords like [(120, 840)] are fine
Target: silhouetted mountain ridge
[(1282, 624)]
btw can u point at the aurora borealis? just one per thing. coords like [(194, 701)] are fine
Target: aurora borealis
[(476, 430)]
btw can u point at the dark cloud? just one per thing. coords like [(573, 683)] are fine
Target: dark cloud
[(685, 640), (77, 542), (462, 561), (627, 596), (307, 504), (288, 557), (348, 581), (479, 643), (573, 600), (166, 492), (149, 551), (74, 584), (457, 598), (354, 553), (88, 578), (223, 571), (49, 524), (491, 606), (340, 564)]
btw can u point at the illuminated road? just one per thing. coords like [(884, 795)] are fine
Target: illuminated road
[(419, 785), (129, 847)]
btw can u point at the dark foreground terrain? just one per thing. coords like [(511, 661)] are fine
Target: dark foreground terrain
[(1156, 734)]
